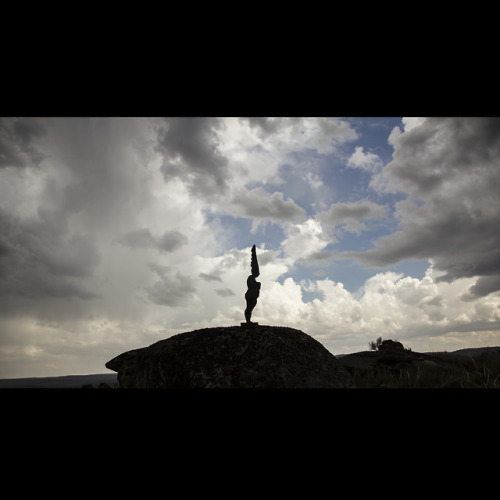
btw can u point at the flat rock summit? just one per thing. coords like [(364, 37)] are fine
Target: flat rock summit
[(256, 356)]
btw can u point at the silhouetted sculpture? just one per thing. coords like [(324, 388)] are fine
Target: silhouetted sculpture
[(253, 291)]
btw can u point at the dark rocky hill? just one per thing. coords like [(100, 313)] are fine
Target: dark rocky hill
[(232, 357)]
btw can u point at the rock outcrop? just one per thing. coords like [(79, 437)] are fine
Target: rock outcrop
[(394, 366), (232, 357), (390, 355), (388, 345)]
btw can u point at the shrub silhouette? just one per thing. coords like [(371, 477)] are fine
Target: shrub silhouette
[(374, 346)]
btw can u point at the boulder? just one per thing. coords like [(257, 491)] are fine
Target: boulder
[(232, 357)]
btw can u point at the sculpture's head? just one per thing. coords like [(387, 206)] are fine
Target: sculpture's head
[(254, 263)]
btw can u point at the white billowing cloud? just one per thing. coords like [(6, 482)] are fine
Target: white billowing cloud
[(314, 180), (258, 147), (414, 311), (303, 240), (365, 161), (324, 134), (296, 134), (410, 122), (336, 311), (282, 305)]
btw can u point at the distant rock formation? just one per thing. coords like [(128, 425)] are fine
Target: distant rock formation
[(232, 357), (390, 365), (390, 354), (388, 345)]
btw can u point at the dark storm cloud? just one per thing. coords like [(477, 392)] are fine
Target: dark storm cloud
[(485, 285), (172, 290), (84, 188), (142, 238), (39, 259), (451, 167), (431, 154), (27, 128), (190, 150), (94, 175), (16, 147)]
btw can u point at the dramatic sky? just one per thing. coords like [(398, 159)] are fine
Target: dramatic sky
[(119, 232)]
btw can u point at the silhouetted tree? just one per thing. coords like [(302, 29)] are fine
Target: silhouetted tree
[(375, 345)]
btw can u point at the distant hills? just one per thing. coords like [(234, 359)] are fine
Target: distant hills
[(472, 352), (65, 382)]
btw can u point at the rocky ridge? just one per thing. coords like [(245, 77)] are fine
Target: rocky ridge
[(232, 357)]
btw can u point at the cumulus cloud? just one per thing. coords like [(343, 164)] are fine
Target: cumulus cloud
[(303, 240), (260, 205), (293, 134), (448, 167), (365, 161), (388, 304), (258, 147)]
